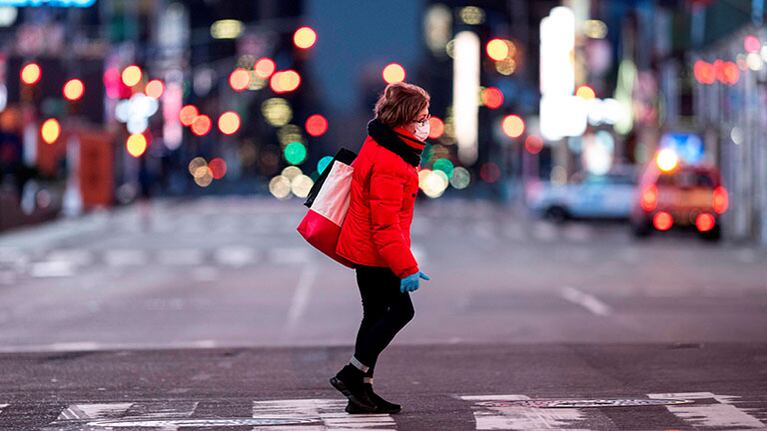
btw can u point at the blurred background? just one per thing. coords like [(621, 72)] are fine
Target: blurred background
[(595, 172), (562, 107)]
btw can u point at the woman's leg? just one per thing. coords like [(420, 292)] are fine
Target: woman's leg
[(386, 311)]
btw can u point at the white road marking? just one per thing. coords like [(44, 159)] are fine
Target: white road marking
[(324, 414), (589, 302), (235, 256), (92, 346), (79, 257), (189, 256), (491, 414), (301, 296), (719, 415), (289, 255), (93, 411), (54, 268), (125, 257)]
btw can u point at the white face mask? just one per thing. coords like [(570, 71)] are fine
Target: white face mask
[(422, 130)]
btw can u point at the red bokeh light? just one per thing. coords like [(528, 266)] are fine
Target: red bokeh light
[(492, 97), (239, 79), (720, 200), (751, 43), (490, 172), (704, 72), (662, 220), (533, 144), (187, 114), (705, 222), (316, 125), (217, 168)]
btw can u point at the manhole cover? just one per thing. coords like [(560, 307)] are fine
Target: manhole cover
[(196, 423), (570, 403)]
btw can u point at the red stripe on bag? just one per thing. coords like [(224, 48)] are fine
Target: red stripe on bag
[(322, 234)]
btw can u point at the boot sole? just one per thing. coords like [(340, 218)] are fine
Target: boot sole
[(353, 409), (341, 387)]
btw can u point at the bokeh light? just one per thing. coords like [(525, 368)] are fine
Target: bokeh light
[(31, 74), (291, 172), (295, 153), (279, 187), (289, 133), (533, 144), (305, 37), (73, 89), (323, 164), (195, 164), (393, 73), (136, 145), (187, 114), (264, 68), (301, 185), (751, 43), (444, 165), (491, 97), (203, 176), (436, 127), (667, 160), (217, 168), (201, 125), (229, 123), (662, 220), (497, 49), (489, 172), (461, 178), (131, 75), (705, 222), (585, 92), (433, 183), (316, 125), (513, 126), (285, 81), (276, 111), (154, 89), (239, 79), (50, 130)]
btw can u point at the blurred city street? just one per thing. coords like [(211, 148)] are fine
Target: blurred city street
[(185, 186), (243, 311)]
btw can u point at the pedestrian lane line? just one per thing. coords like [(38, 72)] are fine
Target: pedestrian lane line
[(585, 300), (499, 412), (722, 413), (172, 415)]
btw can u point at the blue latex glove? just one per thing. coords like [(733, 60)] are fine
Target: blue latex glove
[(410, 283)]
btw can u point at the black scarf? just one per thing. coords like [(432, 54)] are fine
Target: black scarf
[(395, 142)]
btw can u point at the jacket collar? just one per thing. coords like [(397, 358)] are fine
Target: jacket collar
[(398, 141)]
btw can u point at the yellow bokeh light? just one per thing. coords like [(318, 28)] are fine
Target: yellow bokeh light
[(229, 122), (195, 164), (136, 144), (203, 176), (393, 73), (131, 75), (277, 111), (497, 49), (154, 89), (667, 160), (305, 37), (31, 74), (585, 92), (289, 133), (50, 130), (74, 89)]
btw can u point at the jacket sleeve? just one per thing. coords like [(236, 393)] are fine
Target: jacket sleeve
[(386, 194)]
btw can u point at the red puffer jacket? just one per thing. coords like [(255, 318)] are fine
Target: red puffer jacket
[(376, 230)]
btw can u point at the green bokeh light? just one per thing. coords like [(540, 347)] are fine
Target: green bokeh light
[(295, 153), (445, 166)]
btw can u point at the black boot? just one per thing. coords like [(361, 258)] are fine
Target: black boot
[(382, 405), (348, 381)]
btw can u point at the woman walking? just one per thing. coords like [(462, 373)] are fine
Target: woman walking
[(375, 236)]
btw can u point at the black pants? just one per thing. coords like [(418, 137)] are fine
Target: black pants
[(385, 310)]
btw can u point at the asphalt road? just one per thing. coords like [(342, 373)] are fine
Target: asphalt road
[(214, 314)]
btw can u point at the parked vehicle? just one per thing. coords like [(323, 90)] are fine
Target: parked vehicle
[(608, 196), (679, 196)]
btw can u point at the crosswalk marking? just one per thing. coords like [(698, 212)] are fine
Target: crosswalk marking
[(723, 413), (491, 413), (93, 411)]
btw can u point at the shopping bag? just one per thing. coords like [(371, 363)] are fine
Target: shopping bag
[(328, 202)]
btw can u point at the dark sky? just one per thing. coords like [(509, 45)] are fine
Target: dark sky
[(358, 35)]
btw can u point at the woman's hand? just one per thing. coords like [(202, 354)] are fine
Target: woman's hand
[(410, 283)]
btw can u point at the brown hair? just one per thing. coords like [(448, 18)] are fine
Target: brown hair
[(400, 103)]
